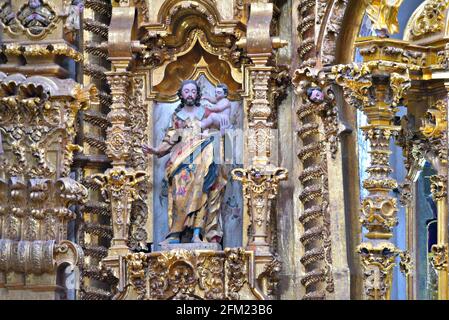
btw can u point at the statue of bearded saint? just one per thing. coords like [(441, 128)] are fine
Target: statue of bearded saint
[(195, 180)]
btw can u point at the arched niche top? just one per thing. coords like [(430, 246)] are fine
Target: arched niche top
[(190, 66), (186, 24)]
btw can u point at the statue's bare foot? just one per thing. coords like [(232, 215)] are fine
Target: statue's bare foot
[(196, 239)]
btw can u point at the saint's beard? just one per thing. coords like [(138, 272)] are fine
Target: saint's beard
[(189, 102)]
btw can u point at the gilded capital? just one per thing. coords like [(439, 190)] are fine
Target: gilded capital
[(377, 263), (440, 256), (438, 187)]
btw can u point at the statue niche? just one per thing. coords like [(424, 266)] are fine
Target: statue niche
[(197, 142)]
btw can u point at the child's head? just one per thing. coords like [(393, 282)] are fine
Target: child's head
[(315, 95), (221, 91)]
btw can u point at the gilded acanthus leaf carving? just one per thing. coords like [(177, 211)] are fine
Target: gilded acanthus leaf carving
[(384, 15), (235, 272), (440, 257), (191, 275), (356, 81), (438, 187), (119, 187)]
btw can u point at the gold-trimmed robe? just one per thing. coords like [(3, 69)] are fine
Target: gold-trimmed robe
[(195, 181)]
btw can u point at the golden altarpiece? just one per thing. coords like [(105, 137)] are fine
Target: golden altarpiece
[(85, 84)]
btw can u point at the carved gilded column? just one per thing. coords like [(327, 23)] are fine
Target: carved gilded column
[(259, 190), (118, 187), (261, 177), (440, 250), (315, 106), (434, 147), (119, 184), (377, 88), (118, 143), (260, 128)]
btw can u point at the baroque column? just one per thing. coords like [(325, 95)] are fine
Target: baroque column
[(261, 177), (377, 87), (119, 184), (434, 130), (439, 250), (316, 105)]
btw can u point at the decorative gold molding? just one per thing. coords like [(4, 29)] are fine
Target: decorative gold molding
[(35, 19), (119, 187), (38, 256), (191, 275), (429, 20), (260, 187)]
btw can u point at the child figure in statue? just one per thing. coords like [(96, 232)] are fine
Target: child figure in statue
[(217, 116)]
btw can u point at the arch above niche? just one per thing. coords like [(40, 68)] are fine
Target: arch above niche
[(190, 65)]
